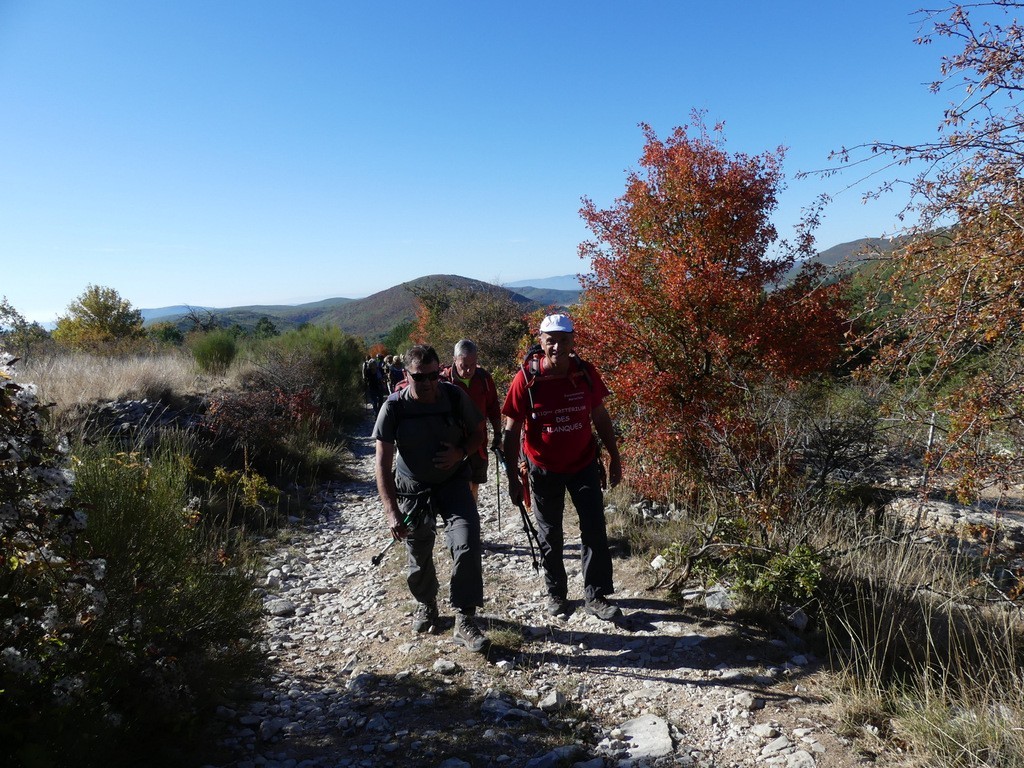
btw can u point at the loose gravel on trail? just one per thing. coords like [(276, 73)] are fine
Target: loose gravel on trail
[(352, 685)]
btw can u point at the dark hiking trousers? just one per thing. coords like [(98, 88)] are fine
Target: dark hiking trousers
[(547, 490), (453, 502)]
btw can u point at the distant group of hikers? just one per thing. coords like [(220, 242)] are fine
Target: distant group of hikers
[(432, 456), (381, 375)]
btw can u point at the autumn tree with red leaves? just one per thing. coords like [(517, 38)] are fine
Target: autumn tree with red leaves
[(951, 298), (687, 319)]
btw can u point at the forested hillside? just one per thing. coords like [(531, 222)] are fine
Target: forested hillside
[(372, 317)]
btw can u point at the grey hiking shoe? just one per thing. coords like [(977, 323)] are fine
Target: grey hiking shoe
[(468, 633), (598, 606), (557, 606), (424, 617)]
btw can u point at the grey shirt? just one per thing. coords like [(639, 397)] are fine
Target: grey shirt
[(418, 430)]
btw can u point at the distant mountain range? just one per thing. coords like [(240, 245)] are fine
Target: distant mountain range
[(161, 313), (558, 283), (371, 318), (847, 257), (850, 255)]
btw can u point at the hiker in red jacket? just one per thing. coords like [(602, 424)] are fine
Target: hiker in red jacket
[(558, 397), (478, 384)]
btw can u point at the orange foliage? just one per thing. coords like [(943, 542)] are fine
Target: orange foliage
[(951, 297), (684, 311), (419, 333)]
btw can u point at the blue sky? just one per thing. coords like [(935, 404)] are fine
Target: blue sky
[(222, 153)]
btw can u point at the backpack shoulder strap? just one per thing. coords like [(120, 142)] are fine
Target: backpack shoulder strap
[(489, 386), (454, 402), (454, 392), (531, 364), (396, 398), (583, 367)]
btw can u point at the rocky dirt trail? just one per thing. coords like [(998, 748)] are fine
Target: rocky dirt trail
[(667, 685)]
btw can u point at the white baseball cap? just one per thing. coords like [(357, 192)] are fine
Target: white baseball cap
[(559, 322)]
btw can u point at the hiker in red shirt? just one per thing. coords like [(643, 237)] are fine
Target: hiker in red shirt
[(478, 384), (557, 398)]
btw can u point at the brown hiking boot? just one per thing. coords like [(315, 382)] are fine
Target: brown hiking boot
[(468, 634), (557, 606), (424, 617), (598, 606)]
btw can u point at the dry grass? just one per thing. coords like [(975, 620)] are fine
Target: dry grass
[(75, 379), (925, 658)]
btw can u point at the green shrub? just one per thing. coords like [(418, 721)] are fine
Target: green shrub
[(322, 359), (246, 491), (166, 334), (776, 577), (115, 639), (319, 458), (100, 321), (214, 351), (182, 622), (399, 338), (298, 390)]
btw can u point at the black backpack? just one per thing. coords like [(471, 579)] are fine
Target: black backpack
[(369, 366), (454, 400)]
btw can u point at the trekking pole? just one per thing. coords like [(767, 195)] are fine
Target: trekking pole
[(499, 460), (375, 560), (531, 534), (528, 529), (380, 555)]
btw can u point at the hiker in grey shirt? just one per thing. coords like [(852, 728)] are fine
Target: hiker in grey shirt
[(431, 427)]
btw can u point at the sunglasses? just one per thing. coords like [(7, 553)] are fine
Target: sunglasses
[(421, 377)]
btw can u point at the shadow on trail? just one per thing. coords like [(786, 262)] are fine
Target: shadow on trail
[(412, 720), (361, 443), (420, 716), (672, 649)]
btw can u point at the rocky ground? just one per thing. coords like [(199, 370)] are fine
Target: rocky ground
[(667, 685)]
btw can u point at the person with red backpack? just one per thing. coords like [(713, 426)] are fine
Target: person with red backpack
[(478, 384), (550, 407)]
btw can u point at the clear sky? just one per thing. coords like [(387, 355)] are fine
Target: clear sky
[(230, 152)]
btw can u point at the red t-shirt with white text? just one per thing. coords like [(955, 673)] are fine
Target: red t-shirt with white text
[(557, 427)]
